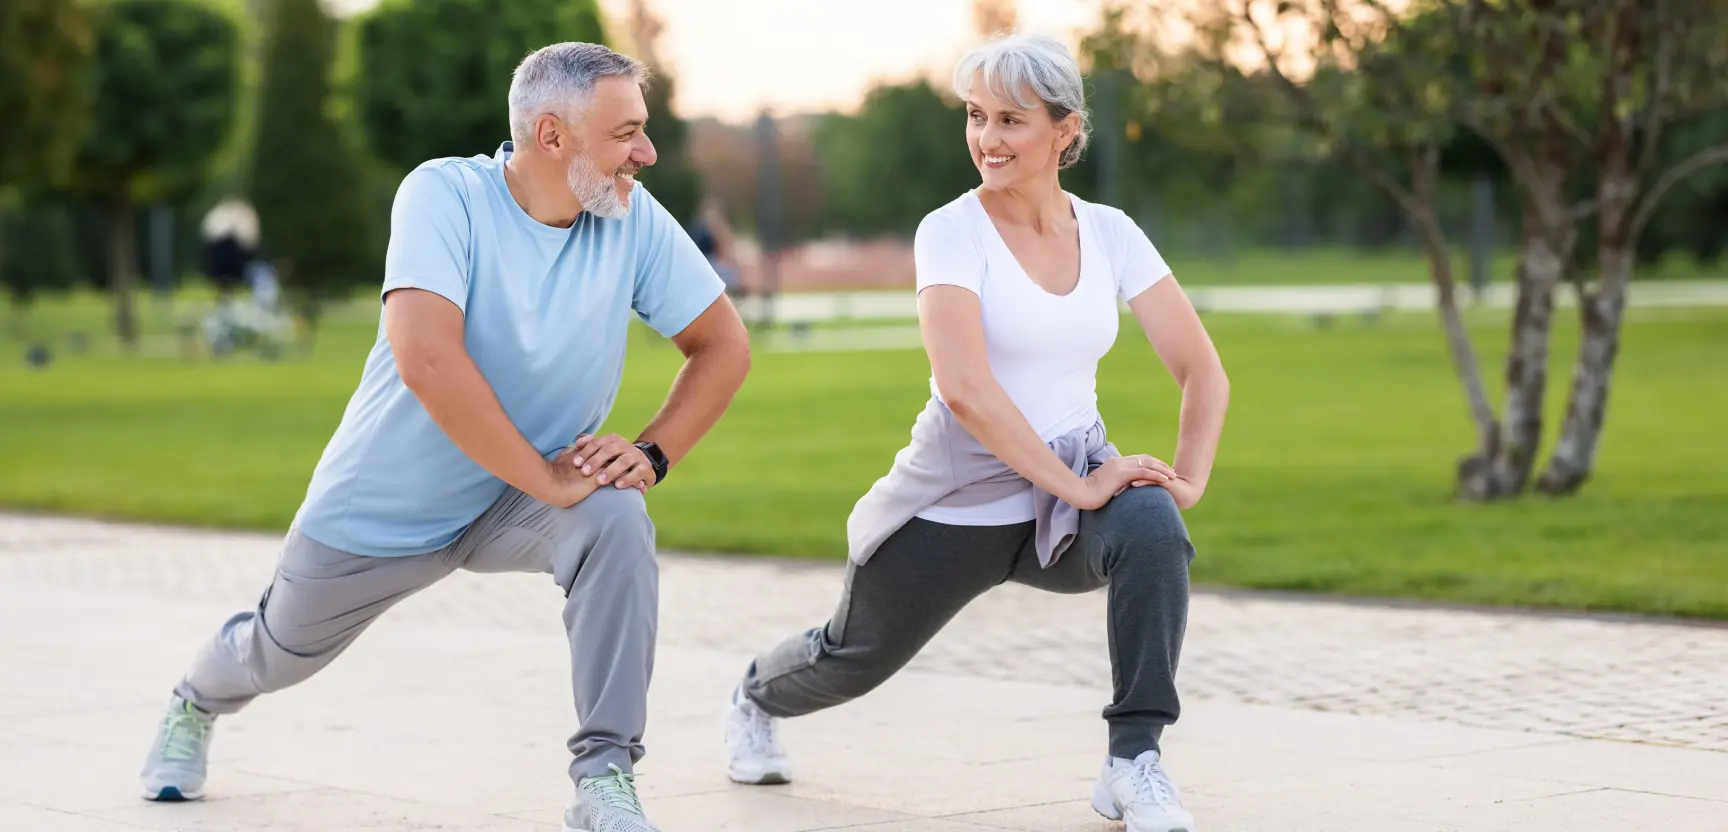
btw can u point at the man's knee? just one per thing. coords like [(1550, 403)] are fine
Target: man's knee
[(609, 530)]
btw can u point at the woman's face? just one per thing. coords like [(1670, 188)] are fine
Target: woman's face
[(1009, 145)]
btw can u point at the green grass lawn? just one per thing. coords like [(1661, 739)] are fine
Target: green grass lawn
[(1335, 472)]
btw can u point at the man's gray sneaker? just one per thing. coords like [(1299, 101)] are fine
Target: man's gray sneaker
[(607, 804), (176, 766)]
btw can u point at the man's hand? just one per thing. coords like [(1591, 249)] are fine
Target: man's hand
[(613, 459), (565, 484)]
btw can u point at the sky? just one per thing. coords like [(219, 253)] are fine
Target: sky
[(732, 58)]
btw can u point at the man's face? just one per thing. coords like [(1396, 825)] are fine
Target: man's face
[(612, 147)]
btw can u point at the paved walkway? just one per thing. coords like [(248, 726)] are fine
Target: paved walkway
[(450, 714), (1341, 299)]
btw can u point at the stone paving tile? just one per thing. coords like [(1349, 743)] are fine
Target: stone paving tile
[(1644, 681)]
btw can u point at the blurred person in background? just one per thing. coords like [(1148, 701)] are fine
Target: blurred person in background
[(713, 236), (230, 236), (470, 443), (1009, 475)]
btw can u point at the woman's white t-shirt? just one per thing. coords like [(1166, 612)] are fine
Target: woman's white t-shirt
[(1043, 348)]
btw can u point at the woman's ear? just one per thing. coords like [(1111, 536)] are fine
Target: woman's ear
[(1067, 131)]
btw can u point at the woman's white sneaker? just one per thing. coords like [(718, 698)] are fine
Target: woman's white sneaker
[(1139, 793), (753, 752)]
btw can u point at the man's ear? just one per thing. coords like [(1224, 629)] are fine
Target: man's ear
[(551, 134)]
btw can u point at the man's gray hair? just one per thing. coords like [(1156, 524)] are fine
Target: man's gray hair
[(559, 79), (1011, 65)]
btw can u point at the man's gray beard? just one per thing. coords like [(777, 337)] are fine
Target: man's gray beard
[(597, 192)]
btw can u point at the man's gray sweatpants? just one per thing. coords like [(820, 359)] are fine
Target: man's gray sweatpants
[(599, 551), (924, 573)]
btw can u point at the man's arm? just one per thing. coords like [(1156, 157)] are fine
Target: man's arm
[(425, 333), (716, 350)]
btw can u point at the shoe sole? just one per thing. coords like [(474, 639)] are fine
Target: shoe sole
[(766, 778), (1105, 805), (170, 794)]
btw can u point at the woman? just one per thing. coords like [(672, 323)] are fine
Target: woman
[(1009, 476)]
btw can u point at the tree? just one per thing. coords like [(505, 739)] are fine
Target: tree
[(1374, 94), (675, 183), (164, 98), (435, 74), (1501, 88), (1690, 221), (1574, 97), (37, 251), (308, 182), (45, 51), (1638, 67), (907, 134)]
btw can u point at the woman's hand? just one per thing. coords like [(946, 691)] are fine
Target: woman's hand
[(1186, 493), (1117, 475)]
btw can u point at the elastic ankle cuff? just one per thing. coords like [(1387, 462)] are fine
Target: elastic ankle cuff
[(1130, 741)]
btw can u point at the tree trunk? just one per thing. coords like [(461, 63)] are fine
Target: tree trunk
[(1418, 205), (1472, 481), (1539, 273), (121, 259), (1602, 310)]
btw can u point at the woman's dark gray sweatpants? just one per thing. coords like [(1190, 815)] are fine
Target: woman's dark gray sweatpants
[(923, 575)]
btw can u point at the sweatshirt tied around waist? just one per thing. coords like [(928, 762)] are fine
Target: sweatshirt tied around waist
[(944, 465)]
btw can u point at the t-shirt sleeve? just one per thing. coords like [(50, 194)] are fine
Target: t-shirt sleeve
[(1138, 263), (674, 283), (429, 233), (943, 253)]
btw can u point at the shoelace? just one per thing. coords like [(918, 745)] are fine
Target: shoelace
[(185, 735), (1151, 783), (617, 790), (760, 733)]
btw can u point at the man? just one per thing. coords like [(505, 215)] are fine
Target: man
[(507, 290)]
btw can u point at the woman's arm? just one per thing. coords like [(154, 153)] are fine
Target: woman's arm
[(1181, 342), (953, 331)]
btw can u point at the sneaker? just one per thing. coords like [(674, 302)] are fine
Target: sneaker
[(176, 766), (1139, 793), (753, 752), (607, 804)]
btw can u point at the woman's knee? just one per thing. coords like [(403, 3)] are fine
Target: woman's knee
[(858, 670), (1145, 523)]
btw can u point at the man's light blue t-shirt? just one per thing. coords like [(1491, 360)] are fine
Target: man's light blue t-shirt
[(546, 316)]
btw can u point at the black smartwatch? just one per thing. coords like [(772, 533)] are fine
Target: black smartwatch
[(656, 458)]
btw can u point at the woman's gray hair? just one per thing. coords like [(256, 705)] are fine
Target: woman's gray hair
[(560, 78), (1015, 63)]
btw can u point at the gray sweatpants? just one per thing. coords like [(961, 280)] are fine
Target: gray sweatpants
[(600, 552), (923, 575)]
